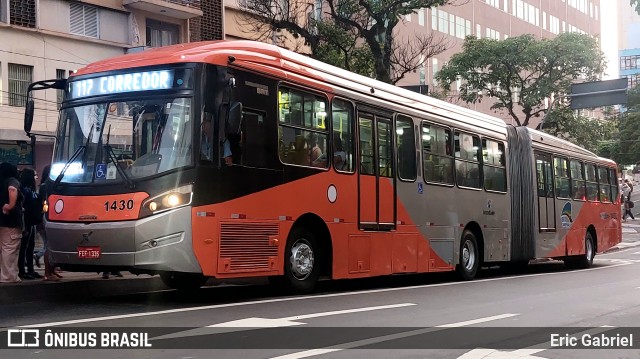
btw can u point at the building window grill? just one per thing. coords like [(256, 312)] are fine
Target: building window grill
[(22, 13), (20, 76)]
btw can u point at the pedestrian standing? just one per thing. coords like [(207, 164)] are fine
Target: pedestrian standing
[(11, 223), (32, 215), (50, 273)]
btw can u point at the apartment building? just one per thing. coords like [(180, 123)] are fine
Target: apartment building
[(497, 19), (629, 43), (45, 39)]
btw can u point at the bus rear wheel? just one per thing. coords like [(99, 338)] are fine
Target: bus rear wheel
[(469, 256), (183, 281), (584, 260), (302, 262)]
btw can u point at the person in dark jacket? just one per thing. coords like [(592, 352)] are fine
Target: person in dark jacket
[(31, 204), (50, 273)]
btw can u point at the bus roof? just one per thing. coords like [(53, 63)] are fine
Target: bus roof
[(217, 52)]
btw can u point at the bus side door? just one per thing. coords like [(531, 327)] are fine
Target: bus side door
[(376, 179), (546, 193)]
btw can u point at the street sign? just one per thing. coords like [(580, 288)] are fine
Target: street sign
[(599, 93)]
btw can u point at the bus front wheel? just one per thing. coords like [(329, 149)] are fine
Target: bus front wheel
[(469, 256), (301, 262), (183, 281)]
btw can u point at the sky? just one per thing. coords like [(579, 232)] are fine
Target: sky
[(609, 32)]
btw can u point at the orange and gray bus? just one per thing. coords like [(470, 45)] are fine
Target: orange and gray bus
[(238, 159)]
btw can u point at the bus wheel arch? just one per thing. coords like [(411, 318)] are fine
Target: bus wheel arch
[(590, 244), (308, 246), (470, 252)]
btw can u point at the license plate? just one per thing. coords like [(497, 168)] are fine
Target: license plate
[(89, 252)]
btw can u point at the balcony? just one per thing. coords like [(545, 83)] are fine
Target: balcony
[(178, 9)]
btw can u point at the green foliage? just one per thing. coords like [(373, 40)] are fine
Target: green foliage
[(589, 133), (520, 72)]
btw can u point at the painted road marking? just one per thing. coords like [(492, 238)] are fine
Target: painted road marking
[(300, 298), (255, 323), (384, 338)]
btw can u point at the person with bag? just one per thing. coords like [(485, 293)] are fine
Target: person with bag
[(628, 204), (32, 216), (11, 223)]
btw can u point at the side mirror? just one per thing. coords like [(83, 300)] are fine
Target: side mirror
[(234, 119), (28, 115)]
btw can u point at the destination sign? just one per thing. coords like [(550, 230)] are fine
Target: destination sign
[(130, 82)]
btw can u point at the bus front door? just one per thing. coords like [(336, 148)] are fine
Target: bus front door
[(376, 180), (546, 193)]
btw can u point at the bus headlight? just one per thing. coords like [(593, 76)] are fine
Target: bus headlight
[(177, 197)]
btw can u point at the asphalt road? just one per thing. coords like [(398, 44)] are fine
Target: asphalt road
[(401, 317)]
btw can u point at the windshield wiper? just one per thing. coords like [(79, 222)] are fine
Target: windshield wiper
[(112, 158), (75, 155)]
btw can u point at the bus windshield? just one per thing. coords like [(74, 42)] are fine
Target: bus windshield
[(142, 138)]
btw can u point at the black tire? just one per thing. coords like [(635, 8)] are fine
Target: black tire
[(302, 262), (469, 257), (183, 281), (585, 260)]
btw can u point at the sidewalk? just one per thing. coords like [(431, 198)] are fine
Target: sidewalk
[(630, 236), (76, 284)]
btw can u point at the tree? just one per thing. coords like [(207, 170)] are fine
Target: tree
[(358, 35), (589, 133), (521, 72)]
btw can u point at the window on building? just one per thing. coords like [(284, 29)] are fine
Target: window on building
[(434, 64), (20, 76), (162, 33), (22, 12), (421, 17), (84, 20)]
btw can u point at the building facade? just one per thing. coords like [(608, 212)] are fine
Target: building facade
[(629, 43), (46, 39)]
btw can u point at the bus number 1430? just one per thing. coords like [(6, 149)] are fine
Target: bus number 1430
[(120, 205)]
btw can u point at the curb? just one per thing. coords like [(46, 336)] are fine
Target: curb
[(78, 288), (619, 247)]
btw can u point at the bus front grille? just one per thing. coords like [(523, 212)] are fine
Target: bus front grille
[(248, 247)]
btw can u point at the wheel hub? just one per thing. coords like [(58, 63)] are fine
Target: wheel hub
[(301, 259)]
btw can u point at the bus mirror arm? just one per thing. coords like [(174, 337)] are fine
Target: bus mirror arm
[(58, 84)]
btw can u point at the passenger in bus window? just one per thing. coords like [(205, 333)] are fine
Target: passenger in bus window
[(315, 151), (339, 156)]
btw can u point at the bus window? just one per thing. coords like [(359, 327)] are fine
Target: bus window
[(614, 186), (437, 156), (544, 175), (342, 118), (592, 182), (303, 132), (494, 166), (467, 153), (603, 182), (366, 146), (384, 149), (577, 180), (406, 148), (563, 182)]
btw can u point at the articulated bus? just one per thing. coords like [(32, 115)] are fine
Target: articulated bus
[(238, 159)]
